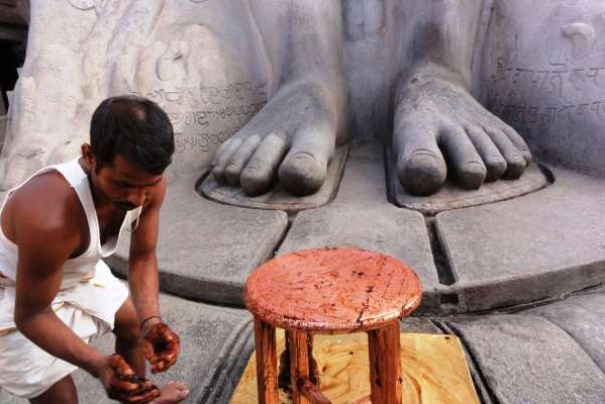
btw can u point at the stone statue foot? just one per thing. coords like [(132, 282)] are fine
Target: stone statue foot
[(437, 120), (291, 140)]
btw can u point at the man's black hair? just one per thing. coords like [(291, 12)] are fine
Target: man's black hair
[(135, 128)]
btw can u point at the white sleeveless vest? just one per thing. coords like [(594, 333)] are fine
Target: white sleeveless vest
[(80, 268)]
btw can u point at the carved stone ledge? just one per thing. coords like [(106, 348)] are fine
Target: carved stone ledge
[(451, 196), (278, 198)]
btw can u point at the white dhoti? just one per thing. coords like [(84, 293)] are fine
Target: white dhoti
[(88, 308)]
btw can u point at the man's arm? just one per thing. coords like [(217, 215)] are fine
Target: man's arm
[(39, 275), (47, 234), (161, 344), (143, 265)]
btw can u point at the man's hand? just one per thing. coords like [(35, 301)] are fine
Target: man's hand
[(123, 384), (161, 346)]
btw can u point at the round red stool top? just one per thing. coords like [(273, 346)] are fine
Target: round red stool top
[(332, 290)]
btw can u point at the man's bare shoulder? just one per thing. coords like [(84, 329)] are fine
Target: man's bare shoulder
[(46, 204)]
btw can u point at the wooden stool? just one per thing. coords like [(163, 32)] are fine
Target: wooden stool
[(330, 291)]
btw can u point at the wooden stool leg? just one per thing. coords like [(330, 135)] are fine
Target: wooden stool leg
[(299, 363), (266, 362), (385, 364)]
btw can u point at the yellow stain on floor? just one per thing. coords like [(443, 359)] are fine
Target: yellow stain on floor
[(434, 367)]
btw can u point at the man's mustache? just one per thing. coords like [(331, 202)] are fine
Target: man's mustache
[(125, 205)]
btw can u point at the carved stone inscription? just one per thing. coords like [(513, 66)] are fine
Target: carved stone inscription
[(218, 106), (544, 73), (545, 96), (205, 116)]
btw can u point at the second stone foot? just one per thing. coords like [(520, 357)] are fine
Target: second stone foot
[(441, 129)]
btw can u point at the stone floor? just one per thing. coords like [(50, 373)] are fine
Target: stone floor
[(551, 354), (483, 269)]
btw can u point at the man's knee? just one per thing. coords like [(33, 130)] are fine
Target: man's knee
[(64, 391), (128, 333), (126, 327)]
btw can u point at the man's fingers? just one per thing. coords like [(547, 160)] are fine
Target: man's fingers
[(144, 398), (148, 350), (172, 350), (169, 337), (126, 386), (144, 393), (163, 364), (153, 357), (165, 359), (157, 367), (143, 388), (161, 347), (131, 385), (119, 365), (170, 359), (123, 385)]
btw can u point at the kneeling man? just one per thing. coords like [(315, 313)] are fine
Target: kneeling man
[(56, 293)]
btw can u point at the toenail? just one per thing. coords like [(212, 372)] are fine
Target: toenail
[(422, 158), (423, 153), (304, 155)]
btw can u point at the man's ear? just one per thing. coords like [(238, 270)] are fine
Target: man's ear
[(88, 157)]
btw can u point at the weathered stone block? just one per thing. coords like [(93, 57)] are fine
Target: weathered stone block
[(583, 318), (527, 359), (529, 248)]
